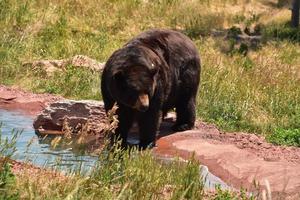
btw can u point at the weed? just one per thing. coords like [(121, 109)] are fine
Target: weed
[(289, 137), (7, 178), (282, 31), (7, 182)]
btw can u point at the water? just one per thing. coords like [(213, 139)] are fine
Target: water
[(39, 152)]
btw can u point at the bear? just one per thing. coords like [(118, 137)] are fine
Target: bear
[(156, 71)]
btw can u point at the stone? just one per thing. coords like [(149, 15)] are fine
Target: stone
[(26, 102), (50, 66), (74, 114), (239, 167)]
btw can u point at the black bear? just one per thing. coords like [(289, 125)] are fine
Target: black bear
[(154, 72)]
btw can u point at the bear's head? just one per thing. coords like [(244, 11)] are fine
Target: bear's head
[(134, 86)]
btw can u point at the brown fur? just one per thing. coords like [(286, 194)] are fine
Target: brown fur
[(156, 71)]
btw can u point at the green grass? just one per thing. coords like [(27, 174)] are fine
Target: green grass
[(286, 137), (7, 182), (134, 176), (282, 31), (258, 92)]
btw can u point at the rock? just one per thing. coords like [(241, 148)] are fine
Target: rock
[(84, 61), (51, 66), (75, 114), (253, 138), (238, 39), (27, 102), (235, 166)]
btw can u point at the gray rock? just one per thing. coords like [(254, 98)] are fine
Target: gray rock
[(51, 66), (76, 114)]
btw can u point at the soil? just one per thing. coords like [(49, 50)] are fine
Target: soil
[(238, 158)]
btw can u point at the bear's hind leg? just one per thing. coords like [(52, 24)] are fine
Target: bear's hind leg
[(186, 114), (186, 102)]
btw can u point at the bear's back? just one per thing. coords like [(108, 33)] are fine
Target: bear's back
[(175, 47)]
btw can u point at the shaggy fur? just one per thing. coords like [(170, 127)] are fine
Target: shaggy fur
[(156, 71)]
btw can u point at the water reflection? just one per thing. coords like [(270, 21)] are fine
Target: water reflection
[(37, 150)]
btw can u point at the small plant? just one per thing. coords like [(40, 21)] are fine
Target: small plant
[(7, 178), (8, 145), (282, 31), (290, 137), (7, 182)]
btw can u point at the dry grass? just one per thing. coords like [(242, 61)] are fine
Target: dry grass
[(258, 92)]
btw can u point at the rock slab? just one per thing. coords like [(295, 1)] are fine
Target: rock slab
[(236, 164), (30, 103), (51, 66), (76, 114)]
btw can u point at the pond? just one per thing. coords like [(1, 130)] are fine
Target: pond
[(36, 150), (39, 151)]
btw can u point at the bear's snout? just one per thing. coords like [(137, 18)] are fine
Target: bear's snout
[(142, 103)]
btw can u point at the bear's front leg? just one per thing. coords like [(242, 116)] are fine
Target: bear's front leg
[(149, 123), (125, 117)]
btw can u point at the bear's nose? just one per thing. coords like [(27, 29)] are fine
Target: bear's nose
[(142, 104)]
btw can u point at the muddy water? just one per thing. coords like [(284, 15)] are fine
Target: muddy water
[(36, 150)]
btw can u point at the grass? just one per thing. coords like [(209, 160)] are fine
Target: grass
[(135, 176), (257, 92), (138, 176), (286, 137)]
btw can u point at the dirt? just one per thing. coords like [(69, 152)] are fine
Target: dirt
[(239, 159)]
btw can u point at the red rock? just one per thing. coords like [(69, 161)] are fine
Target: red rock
[(238, 167), (16, 99)]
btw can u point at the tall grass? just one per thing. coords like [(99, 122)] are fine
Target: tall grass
[(118, 174), (258, 92)]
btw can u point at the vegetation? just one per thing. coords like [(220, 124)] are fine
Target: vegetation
[(118, 174), (138, 176), (7, 178), (257, 91), (286, 136)]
